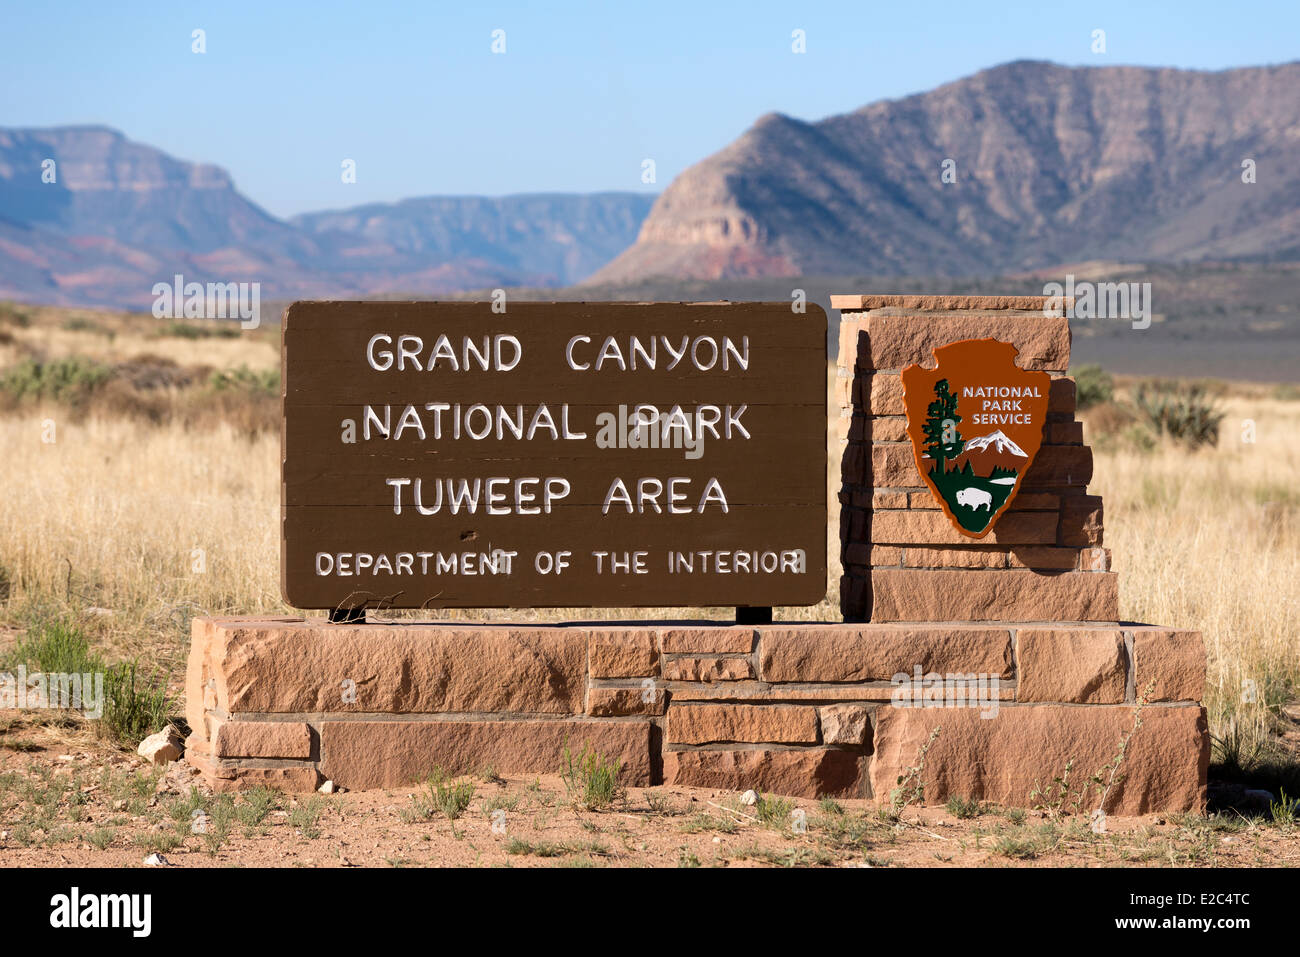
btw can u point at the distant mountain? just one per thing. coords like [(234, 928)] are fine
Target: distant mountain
[(121, 216), (555, 236), (1053, 165)]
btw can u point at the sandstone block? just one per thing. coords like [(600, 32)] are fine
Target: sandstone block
[(621, 702), (261, 739), (1061, 396), (397, 669), (756, 724), (925, 302), (872, 652), (380, 754), (851, 345), (894, 342), (1065, 433), (891, 428), (886, 555), (992, 595), (889, 500), (884, 392), (1174, 660), (224, 776), (925, 556), (1001, 759), (708, 669), (1084, 665), (1081, 521), (708, 640), (1051, 558), (806, 773), (631, 653)]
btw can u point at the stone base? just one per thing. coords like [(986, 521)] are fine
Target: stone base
[(806, 710)]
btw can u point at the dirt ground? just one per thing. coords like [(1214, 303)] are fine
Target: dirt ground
[(67, 798)]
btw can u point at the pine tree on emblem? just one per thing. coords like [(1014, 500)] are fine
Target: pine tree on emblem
[(943, 441)]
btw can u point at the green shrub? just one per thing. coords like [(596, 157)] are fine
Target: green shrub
[(590, 779), (1093, 386), (131, 712), (69, 380), (1184, 411), (306, 816), (246, 380), (773, 812), (213, 329), (82, 324), (963, 808), (55, 647), (448, 795), (12, 315)]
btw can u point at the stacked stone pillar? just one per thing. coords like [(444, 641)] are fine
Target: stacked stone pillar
[(1077, 673)]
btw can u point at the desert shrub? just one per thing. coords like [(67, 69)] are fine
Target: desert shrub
[(82, 324), (963, 808), (1185, 411), (590, 779), (773, 812), (133, 709), (1286, 392), (12, 315), (148, 372), (56, 647), (246, 380), (205, 329), (1093, 386), (443, 794), (71, 380)]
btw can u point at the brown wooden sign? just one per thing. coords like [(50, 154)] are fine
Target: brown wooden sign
[(976, 422), (443, 455)]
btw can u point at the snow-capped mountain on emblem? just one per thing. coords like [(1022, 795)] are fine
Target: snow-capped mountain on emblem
[(998, 441)]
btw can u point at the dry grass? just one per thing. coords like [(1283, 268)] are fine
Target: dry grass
[(1211, 540), (110, 516)]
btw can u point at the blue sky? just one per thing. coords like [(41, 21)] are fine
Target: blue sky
[(584, 92)]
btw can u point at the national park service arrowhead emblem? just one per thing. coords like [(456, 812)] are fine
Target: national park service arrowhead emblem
[(976, 423)]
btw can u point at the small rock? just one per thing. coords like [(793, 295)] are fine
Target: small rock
[(1292, 710), (119, 805), (326, 788), (162, 748), (749, 798), (1259, 794), (717, 840), (156, 860)]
